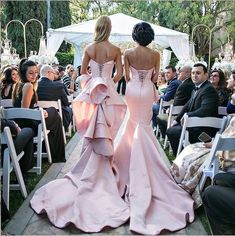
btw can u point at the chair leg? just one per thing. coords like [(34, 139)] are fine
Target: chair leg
[(47, 147), (6, 177), (64, 135), (20, 176)]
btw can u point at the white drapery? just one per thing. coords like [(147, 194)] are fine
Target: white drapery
[(122, 26)]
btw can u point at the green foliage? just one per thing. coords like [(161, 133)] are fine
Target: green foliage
[(25, 10), (65, 58)]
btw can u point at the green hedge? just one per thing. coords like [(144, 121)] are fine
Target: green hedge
[(65, 58)]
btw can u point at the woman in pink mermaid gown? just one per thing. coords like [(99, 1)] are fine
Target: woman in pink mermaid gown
[(156, 201), (88, 195)]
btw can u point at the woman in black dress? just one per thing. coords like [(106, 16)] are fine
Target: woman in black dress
[(25, 96)]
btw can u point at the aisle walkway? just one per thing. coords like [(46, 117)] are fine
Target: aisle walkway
[(26, 222)]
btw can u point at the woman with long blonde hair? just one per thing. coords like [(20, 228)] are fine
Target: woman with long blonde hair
[(88, 196)]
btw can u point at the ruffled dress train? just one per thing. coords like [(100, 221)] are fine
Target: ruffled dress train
[(88, 196)]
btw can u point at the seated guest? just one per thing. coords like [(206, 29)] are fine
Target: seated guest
[(187, 168), (69, 78), (161, 83), (182, 95), (219, 204), (217, 79), (172, 85), (231, 86), (203, 103), (23, 141), (9, 81), (61, 72), (48, 90), (26, 97)]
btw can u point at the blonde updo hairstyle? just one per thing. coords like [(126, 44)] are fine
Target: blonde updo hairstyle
[(102, 29)]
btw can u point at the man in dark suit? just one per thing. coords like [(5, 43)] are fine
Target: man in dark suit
[(50, 90), (182, 95), (172, 85), (219, 204), (203, 103)]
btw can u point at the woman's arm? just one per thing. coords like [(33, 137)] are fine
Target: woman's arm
[(27, 92), (126, 66), (85, 62), (157, 67), (118, 62)]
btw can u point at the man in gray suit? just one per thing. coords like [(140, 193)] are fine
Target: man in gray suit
[(203, 103)]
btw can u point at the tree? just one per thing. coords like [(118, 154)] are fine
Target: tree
[(25, 10)]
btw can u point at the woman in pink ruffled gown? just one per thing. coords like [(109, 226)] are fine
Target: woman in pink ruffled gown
[(156, 201), (88, 195)]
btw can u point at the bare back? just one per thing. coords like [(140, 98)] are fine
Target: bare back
[(101, 53), (142, 58)]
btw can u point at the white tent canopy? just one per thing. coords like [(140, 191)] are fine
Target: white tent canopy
[(122, 26)]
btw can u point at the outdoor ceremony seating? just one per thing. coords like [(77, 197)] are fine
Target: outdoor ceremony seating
[(190, 122), (57, 105), (222, 111), (37, 115), (173, 111), (6, 103), (220, 143), (10, 163), (163, 105)]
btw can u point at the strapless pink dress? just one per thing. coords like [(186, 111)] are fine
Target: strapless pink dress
[(88, 195), (156, 201)]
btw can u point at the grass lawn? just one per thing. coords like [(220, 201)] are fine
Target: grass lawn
[(200, 212), (16, 199)]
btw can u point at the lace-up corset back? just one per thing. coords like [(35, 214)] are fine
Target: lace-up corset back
[(101, 70), (141, 75)]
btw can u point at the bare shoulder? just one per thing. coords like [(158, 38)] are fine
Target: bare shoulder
[(89, 48), (28, 86), (128, 52)]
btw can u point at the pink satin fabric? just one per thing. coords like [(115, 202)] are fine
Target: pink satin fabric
[(156, 202)]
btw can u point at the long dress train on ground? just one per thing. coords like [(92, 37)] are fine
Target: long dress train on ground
[(156, 201), (88, 196)]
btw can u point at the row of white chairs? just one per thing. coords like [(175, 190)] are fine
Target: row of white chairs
[(11, 159), (220, 142)]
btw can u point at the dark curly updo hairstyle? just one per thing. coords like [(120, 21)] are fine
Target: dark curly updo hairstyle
[(143, 33)]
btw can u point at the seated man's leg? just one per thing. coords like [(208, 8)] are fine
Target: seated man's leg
[(173, 134), (156, 108), (219, 204), (24, 142), (162, 123)]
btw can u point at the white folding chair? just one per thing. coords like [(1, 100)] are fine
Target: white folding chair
[(163, 105), (58, 107), (10, 163), (33, 114), (174, 111), (222, 111), (190, 122), (220, 143), (6, 103)]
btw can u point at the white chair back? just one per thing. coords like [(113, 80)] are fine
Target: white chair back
[(222, 111), (33, 114), (190, 122), (220, 143), (58, 107), (6, 103), (163, 104), (174, 111)]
